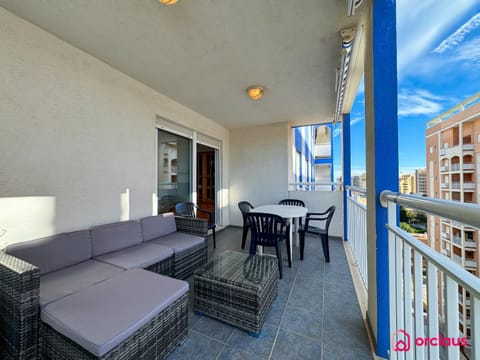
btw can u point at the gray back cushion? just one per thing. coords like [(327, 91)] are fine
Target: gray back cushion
[(115, 236), (159, 225), (54, 252)]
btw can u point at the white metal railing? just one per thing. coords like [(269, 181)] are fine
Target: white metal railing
[(315, 186), (357, 228), (424, 285)]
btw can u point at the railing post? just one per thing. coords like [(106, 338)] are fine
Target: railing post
[(382, 157), (346, 170)]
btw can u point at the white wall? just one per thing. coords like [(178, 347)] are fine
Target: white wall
[(77, 137), (259, 166), (318, 201)]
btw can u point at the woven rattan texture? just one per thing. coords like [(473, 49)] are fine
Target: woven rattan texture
[(155, 340), (164, 267), (237, 288), (19, 311)]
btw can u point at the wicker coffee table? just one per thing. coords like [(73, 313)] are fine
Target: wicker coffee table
[(237, 288)]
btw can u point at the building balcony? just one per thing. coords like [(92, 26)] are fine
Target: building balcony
[(442, 151), (470, 244), (457, 259), (468, 147), (445, 235), (445, 185), (444, 168), (470, 264), (454, 167), (470, 185), (446, 252), (455, 185), (468, 167), (457, 240)]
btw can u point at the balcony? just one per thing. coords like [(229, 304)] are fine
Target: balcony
[(468, 167), (444, 185), (470, 244), (469, 185), (457, 240), (470, 264), (468, 147), (90, 115), (444, 168), (457, 259), (454, 167)]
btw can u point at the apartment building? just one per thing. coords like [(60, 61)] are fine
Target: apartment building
[(406, 184), (453, 164), (421, 181)]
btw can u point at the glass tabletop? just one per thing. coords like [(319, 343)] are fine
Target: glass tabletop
[(240, 269)]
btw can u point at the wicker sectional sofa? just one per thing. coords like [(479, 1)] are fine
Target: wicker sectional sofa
[(88, 295)]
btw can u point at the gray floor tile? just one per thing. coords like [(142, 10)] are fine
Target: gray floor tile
[(274, 315), (302, 321), (231, 353), (193, 319), (197, 347), (290, 346), (307, 293), (259, 346), (213, 328)]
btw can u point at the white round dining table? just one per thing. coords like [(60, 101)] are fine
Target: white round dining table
[(288, 212)]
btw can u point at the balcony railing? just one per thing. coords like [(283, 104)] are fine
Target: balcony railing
[(457, 240), (408, 258), (455, 167), (470, 244), (468, 166), (357, 229), (468, 147)]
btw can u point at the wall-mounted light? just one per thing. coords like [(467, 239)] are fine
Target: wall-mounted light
[(255, 92), (168, 2)]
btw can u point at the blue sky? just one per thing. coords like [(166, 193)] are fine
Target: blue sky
[(438, 60)]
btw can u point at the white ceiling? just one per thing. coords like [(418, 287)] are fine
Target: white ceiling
[(205, 53)]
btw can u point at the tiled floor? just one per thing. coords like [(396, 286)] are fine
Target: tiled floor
[(315, 315)]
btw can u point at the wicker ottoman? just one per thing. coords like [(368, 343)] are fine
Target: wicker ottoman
[(237, 288)]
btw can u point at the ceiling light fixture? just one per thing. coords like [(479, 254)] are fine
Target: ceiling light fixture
[(168, 2), (255, 92)]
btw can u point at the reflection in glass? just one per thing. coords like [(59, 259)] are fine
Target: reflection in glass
[(174, 174)]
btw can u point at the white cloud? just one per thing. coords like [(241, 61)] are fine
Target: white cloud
[(469, 51), (353, 121), (458, 36), (419, 102), (421, 23)]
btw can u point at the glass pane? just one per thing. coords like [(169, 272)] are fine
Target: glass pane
[(174, 170)]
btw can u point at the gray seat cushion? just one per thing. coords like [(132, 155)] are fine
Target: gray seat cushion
[(138, 256), (157, 226), (102, 316), (58, 284), (115, 236), (54, 252), (179, 241)]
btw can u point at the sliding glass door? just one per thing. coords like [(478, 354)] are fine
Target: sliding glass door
[(174, 170)]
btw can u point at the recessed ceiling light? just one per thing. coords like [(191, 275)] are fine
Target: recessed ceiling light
[(168, 2), (255, 92)]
